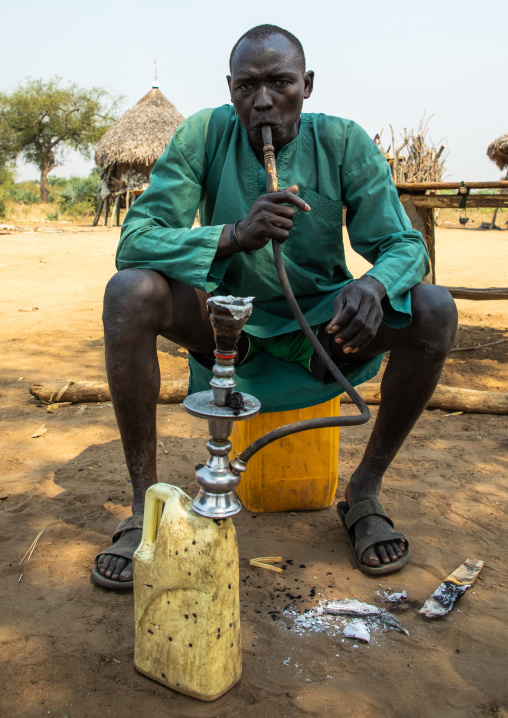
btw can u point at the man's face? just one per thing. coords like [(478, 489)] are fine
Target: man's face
[(268, 86)]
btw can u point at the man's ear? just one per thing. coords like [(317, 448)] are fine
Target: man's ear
[(308, 79), (228, 78)]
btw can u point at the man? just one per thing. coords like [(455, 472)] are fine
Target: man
[(215, 161)]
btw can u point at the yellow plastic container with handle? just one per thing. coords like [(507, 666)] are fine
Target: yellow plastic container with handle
[(186, 597), (298, 472)]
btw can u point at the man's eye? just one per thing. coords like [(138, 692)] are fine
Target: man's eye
[(246, 86), (281, 83)]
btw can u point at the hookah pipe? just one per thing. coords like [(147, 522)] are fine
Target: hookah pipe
[(218, 478), (238, 464)]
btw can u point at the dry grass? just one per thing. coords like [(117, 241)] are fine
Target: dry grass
[(416, 158)]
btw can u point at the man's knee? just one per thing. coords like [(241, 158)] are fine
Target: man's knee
[(133, 293), (434, 319)]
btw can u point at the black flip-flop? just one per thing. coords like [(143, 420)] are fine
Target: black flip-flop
[(371, 507), (129, 524)]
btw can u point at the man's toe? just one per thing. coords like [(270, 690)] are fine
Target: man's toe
[(103, 563), (390, 550), (120, 564), (382, 553), (369, 558), (126, 574), (111, 567)]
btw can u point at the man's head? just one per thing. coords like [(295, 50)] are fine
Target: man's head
[(268, 83)]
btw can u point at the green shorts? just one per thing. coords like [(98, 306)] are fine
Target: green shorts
[(292, 347)]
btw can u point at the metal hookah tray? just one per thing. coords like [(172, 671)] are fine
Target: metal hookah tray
[(201, 404)]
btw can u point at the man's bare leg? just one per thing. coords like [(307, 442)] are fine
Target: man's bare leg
[(417, 355), (140, 304)]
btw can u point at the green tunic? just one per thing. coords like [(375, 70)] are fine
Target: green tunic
[(209, 164)]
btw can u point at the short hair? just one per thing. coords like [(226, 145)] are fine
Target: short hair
[(261, 32)]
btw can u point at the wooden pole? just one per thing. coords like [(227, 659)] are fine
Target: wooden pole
[(419, 221), (98, 214), (115, 212), (428, 201), (419, 186), (478, 294), (430, 241), (106, 211)]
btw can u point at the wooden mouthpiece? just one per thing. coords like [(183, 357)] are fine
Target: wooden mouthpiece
[(272, 184)]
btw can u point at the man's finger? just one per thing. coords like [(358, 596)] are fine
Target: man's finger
[(288, 197), (340, 319)]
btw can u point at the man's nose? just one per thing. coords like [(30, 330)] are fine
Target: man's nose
[(263, 100)]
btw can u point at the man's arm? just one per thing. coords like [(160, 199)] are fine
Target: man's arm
[(157, 233), (379, 231)]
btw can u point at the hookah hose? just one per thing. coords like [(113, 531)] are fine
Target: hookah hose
[(364, 415)]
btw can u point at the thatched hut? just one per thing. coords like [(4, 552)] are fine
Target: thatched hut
[(498, 151), (131, 146)]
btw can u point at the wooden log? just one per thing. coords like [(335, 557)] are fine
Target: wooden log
[(172, 392), (418, 186), (449, 398), (477, 294), (453, 201)]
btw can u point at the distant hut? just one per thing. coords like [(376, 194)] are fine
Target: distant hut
[(130, 148), (498, 152)]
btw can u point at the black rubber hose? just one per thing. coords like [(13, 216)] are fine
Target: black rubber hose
[(321, 423)]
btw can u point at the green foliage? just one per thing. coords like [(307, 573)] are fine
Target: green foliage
[(78, 196), (53, 216), (25, 192), (39, 120), (6, 184)]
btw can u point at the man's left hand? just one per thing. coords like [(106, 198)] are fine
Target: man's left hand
[(357, 314)]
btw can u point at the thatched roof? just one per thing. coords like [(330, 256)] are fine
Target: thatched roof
[(498, 151), (142, 134)]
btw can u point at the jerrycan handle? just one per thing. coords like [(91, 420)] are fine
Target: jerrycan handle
[(156, 495)]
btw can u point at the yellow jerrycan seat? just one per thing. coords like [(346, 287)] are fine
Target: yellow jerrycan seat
[(297, 472)]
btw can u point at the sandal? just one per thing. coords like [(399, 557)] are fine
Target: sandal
[(350, 516), (129, 524)]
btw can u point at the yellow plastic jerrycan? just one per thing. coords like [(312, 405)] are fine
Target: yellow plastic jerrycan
[(186, 597), (298, 472)]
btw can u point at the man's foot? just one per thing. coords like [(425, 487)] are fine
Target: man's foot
[(378, 548), (113, 567)]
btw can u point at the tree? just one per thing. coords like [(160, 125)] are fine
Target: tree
[(40, 120)]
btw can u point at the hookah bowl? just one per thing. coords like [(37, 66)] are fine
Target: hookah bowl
[(216, 498)]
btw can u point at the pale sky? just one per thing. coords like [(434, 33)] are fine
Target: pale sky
[(375, 62)]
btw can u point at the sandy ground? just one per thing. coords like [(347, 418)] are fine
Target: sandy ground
[(67, 647)]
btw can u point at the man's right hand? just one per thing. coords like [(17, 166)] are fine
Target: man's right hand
[(270, 218)]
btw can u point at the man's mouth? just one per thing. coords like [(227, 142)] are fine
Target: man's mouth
[(259, 125)]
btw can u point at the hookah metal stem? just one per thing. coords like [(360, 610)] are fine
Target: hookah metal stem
[(296, 427)]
